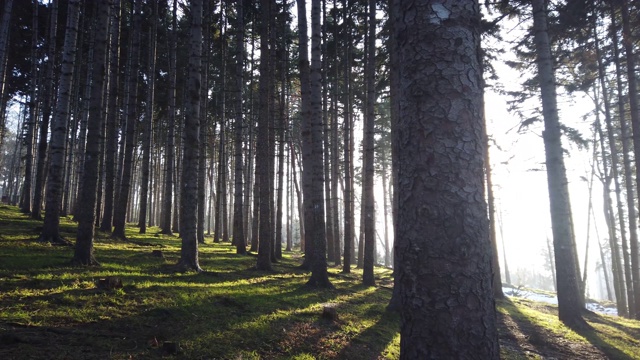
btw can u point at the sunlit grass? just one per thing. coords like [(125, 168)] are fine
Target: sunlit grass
[(231, 311)]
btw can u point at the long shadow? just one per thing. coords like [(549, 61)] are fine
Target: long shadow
[(508, 336), (538, 339), (596, 339), (374, 340), (597, 318)]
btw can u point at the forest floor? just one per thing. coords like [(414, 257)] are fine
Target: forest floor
[(51, 310)]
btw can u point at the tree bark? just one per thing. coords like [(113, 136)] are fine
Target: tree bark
[(368, 202), (51, 226), (121, 205), (112, 118), (47, 97), (635, 125), (348, 131), (443, 247), (313, 165), (238, 219), (262, 155), (83, 254), (147, 140), (30, 126), (170, 153), (567, 272), (189, 189)]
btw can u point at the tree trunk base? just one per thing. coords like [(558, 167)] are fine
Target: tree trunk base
[(54, 240), (184, 267), (85, 262), (320, 283)]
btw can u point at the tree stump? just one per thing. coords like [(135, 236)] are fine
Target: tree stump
[(330, 312), (110, 283)]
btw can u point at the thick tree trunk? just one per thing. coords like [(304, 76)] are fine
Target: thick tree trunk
[(204, 123), (83, 254), (313, 165), (443, 247), (305, 94), (238, 218), (51, 226), (112, 118), (189, 189), (368, 202), (569, 299), (47, 97), (262, 155), (147, 139)]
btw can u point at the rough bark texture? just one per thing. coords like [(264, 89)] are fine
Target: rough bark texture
[(191, 154), (443, 233), (569, 299), (262, 155), (317, 230), (83, 254), (51, 227), (189, 190)]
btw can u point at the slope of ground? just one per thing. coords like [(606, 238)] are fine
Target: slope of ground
[(50, 310)]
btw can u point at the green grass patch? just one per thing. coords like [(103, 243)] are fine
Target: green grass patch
[(52, 310)]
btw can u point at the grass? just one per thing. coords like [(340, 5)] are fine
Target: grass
[(51, 310)]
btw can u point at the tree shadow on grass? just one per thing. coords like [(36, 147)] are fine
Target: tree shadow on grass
[(547, 343), (599, 319)]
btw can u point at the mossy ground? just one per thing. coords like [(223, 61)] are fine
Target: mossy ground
[(52, 310)]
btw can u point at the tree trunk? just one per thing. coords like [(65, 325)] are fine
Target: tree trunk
[(83, 254), (112, 118), (51, 226), (30, 126), (262, 155), (569, 299), (635, 125), (147, 140), (170, 154), (46, 112), (443, 242), (348, 130), (316, 229), (495, 255), (368, 202), (238, 219), (189, 189), (121, 205)]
